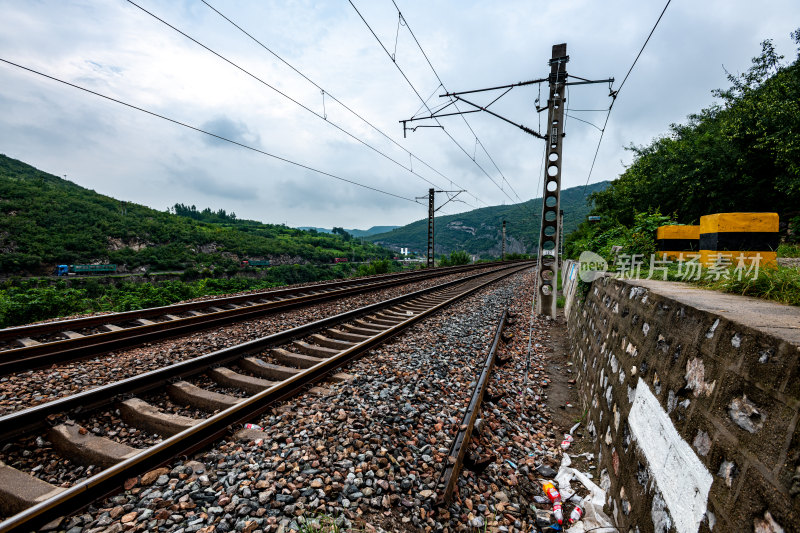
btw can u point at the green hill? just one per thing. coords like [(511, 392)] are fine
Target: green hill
[(46, 220), (479, 232), (354, 232)]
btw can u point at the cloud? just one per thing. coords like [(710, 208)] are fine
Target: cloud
[(203, 183), (230, 129), (116, 49)]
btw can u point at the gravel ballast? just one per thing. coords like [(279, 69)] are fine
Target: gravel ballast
[(369, 455), (27, 389)]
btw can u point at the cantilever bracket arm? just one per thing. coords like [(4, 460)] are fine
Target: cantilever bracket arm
[(520, 126), (518, 84)]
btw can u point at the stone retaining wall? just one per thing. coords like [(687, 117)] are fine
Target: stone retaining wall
[(692, 408)]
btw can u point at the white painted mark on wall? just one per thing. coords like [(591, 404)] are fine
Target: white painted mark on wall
[(681, 477)]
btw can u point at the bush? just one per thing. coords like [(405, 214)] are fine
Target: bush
[(458, 257)]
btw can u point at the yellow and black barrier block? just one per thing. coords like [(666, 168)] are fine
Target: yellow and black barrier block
[(676, 240), (735, 235)]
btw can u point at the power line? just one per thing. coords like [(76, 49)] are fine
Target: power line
[(426, 105), (615, 94), (642, 48), (584, 121), (245, 71), (331, 96), (400, 13), (200, 130)]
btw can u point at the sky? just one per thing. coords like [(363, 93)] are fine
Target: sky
[(293, 157)]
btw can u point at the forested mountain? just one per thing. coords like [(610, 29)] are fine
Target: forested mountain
[(740, 154), (354, 232), (46, 220), (479, 232)]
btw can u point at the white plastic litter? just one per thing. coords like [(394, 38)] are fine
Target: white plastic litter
[(593, 515)]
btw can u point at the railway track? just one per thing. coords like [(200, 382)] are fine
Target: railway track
[(40, 345), (265, 370)]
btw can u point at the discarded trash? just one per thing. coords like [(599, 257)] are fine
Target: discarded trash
[(576, 514), (594, 519), (511, 464), (567, 441), (253, 426), (573, 428), (557, 512), (551, 491)]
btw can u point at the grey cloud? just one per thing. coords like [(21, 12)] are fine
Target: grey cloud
[(204, 183), (230, 129)]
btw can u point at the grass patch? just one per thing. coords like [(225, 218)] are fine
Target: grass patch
[(781, 284), (789, 250), (322, 523)]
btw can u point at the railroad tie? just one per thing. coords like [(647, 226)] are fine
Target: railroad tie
[(26, 342), (72, 335), (20, 490), (372, 327), (383, 322), (295, 359), (315, 351), (184, 393), (261, 368), (391, 318), (362, 329), (345, 335), (87, 448), (141, 414), (398, 313), (327, 342), (228, 378)]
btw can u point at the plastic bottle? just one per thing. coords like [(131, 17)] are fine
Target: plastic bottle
[(576, 514), (557, 512), (551, 491)]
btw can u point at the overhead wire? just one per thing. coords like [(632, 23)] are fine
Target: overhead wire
[(285, 95), (426, 104), (584, 121), (408, 26), (615, 94), (206, 132), (331, 96)]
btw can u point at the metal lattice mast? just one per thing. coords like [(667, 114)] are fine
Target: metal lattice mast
[(431, 211), (547, 271), (503, 253)]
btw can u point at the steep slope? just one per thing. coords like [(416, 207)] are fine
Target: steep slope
[(479, 231), (46, 220)]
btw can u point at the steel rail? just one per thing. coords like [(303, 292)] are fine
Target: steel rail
[(45, 354), (83, 322), (24, 421), (110, 480), (458, 450)]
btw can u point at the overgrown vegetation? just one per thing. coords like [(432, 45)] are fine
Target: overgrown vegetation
[(740, 154), (781, 284), (29, 300), (458, 257), (46, 220)]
